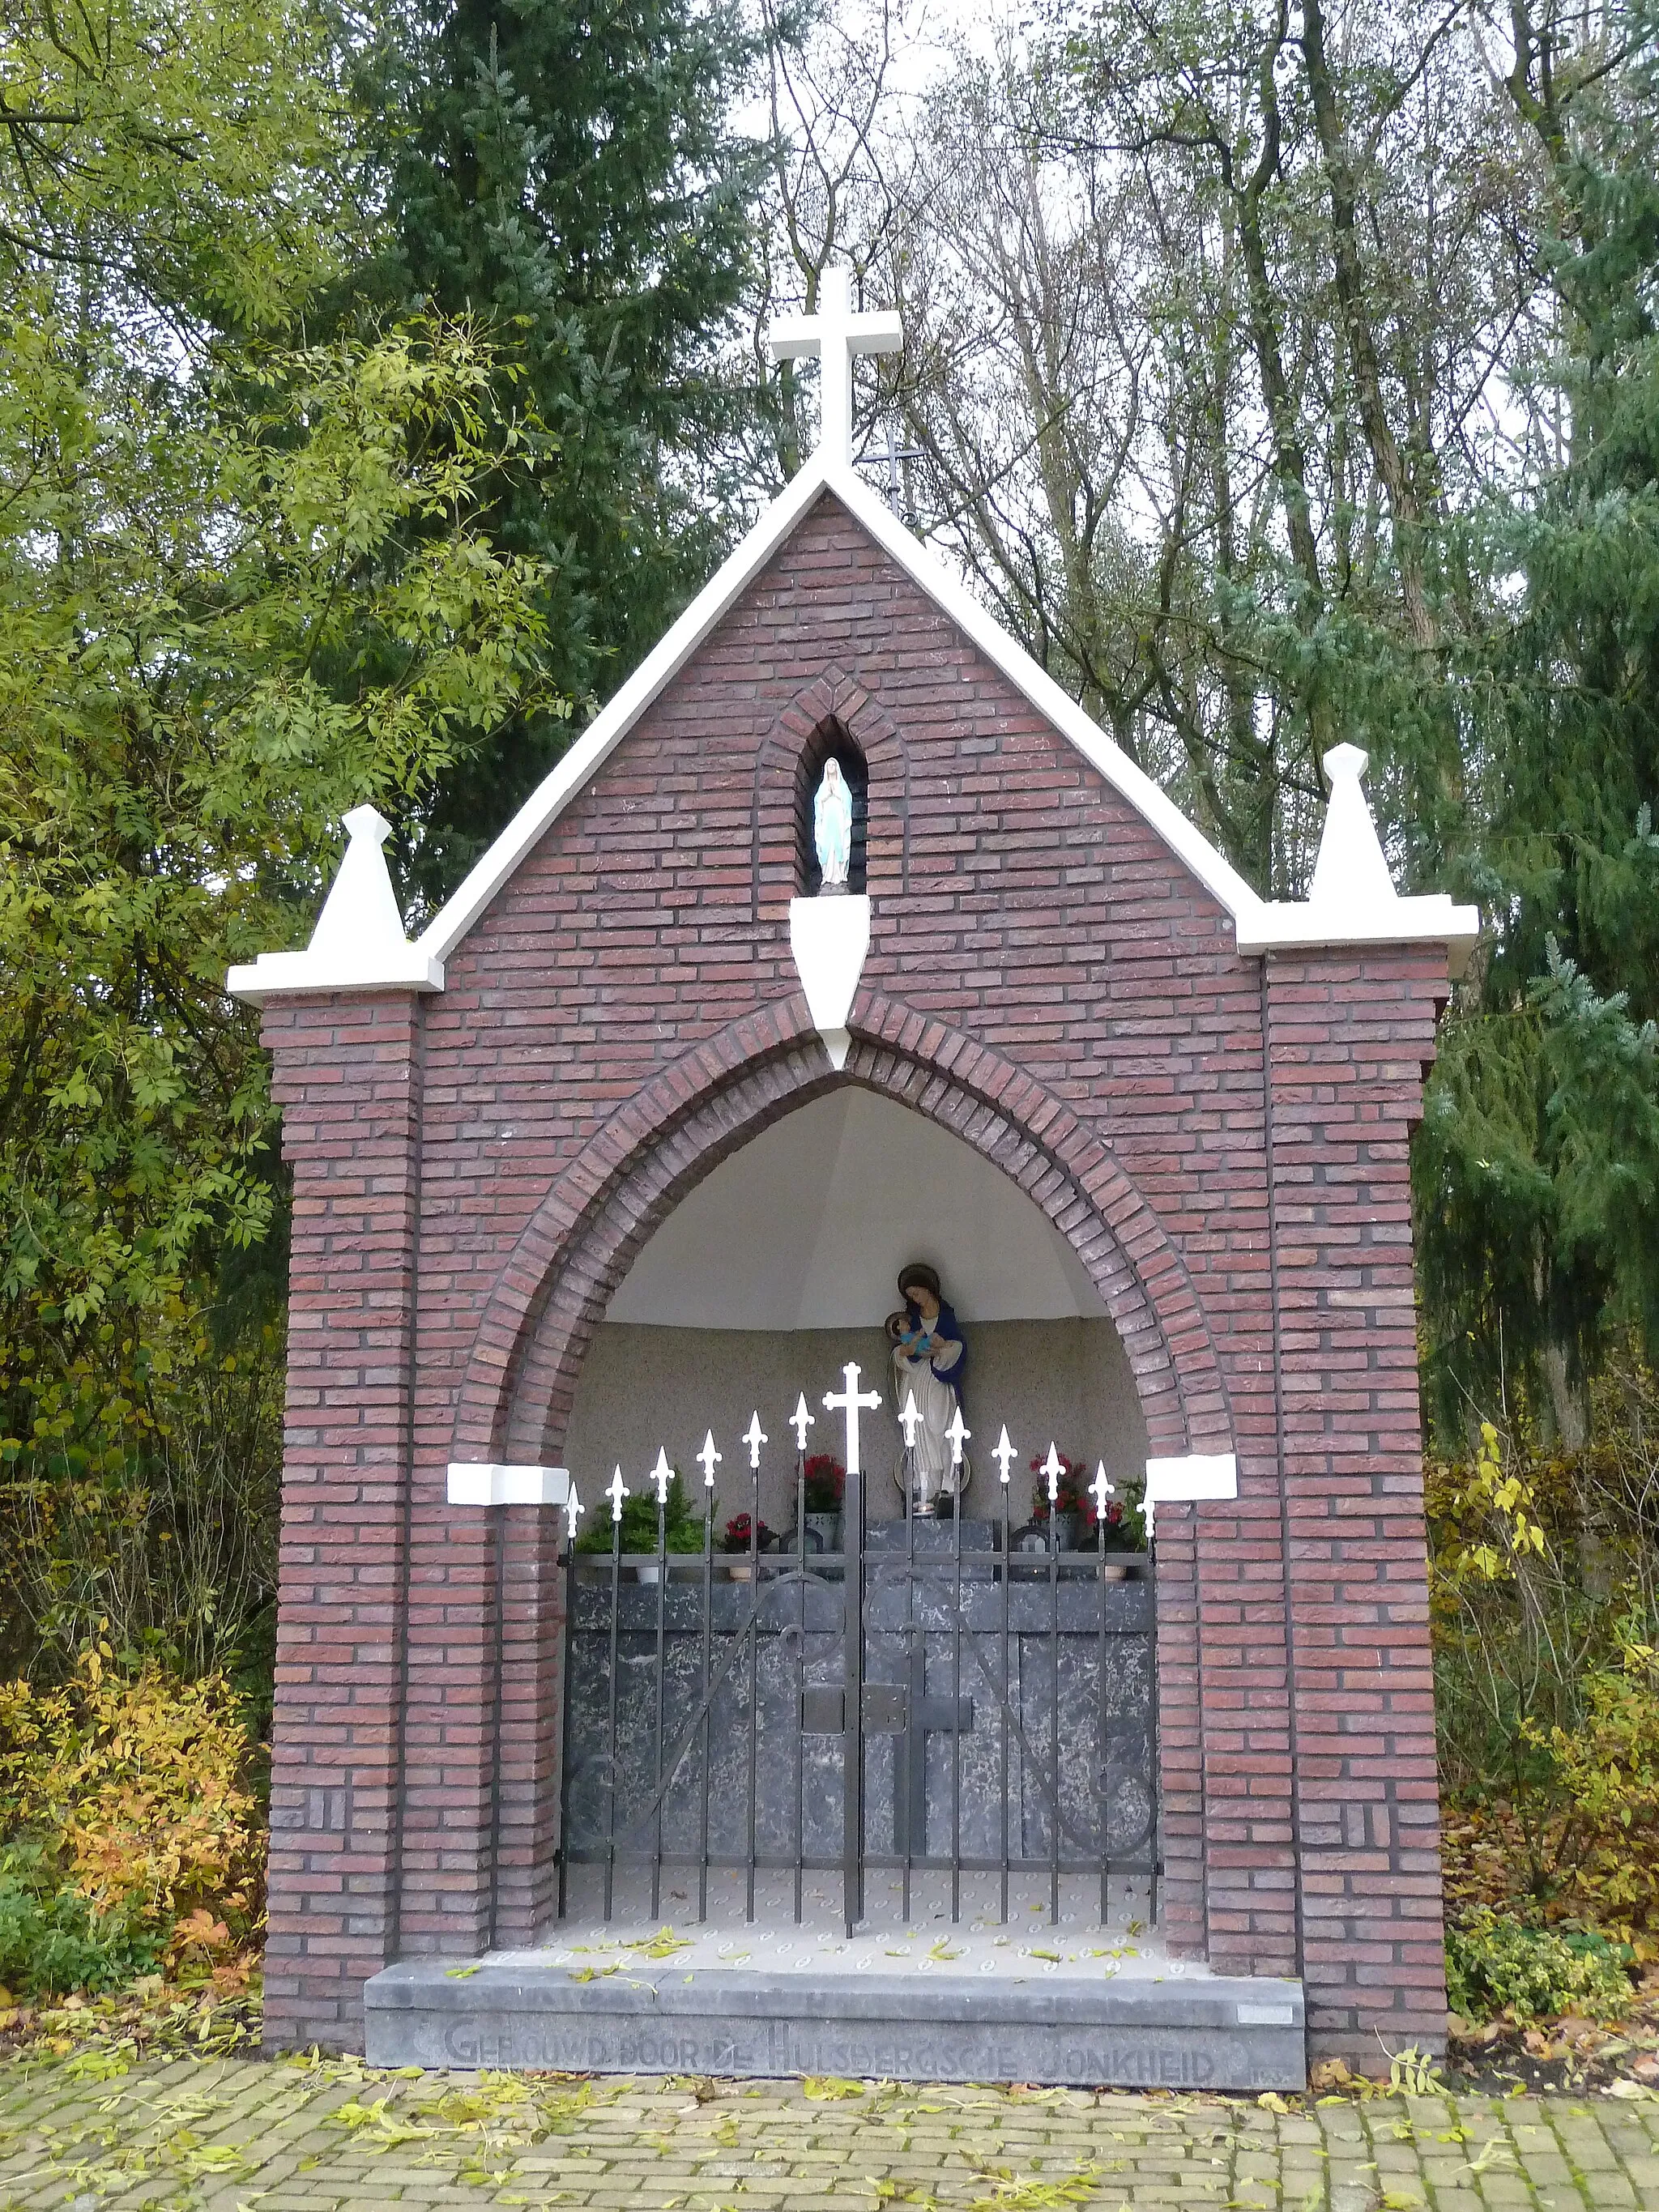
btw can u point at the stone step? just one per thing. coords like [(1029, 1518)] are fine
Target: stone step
[(1192, 2030)]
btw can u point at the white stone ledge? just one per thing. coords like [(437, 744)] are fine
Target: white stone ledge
[(1193, 1475), (829, 942), (285, 974), (473, 1482), (1312, 927)]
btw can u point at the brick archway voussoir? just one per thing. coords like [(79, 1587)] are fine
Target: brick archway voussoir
[(555, 1286)]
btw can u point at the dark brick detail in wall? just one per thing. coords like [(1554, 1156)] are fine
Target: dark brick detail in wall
[(473, 1172)]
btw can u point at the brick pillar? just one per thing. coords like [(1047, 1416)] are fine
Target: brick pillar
[(1182, 1908), (1249, 1854), (532, 1746), (460, 1647), (1349, 1035), (346, 1077)]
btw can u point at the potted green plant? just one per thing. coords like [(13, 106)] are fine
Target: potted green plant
[(1119, 1532), (825, 1487), (683, 1531)]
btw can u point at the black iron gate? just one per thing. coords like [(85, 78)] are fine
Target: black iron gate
[(928, 1698)]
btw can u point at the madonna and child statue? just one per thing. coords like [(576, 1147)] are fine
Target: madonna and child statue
[(929, 1358)]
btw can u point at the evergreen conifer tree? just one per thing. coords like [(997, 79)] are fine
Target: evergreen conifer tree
[(1538, 1168), (569, 177)]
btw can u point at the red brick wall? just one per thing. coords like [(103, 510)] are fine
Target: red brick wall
[(1350, 1035), (347, 1080), (1046, 981)]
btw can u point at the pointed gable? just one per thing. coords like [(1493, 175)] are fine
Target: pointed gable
[(1348, 906)]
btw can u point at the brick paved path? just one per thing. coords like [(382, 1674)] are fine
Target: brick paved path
[(85, 2133)]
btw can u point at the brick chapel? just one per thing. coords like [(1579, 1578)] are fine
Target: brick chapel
[(631, 1139)]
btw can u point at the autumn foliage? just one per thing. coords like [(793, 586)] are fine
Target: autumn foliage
[(125, 1816), (1544, 1576)]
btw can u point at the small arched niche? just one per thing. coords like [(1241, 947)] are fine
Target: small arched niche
[(829, 742)]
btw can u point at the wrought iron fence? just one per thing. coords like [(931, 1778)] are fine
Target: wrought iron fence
[(927, 1697)]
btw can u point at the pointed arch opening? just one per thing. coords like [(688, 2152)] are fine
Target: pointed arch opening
[(782, 1264)]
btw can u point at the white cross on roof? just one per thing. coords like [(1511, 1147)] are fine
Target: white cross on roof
[(834, 335)]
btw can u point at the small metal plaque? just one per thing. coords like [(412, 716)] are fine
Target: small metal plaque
[(822, 1712), (885, 1708)]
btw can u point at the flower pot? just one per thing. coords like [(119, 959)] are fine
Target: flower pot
[(649, 1570), (1065, 1529), (826, 1527), (1113, 1571), (740, 1570)]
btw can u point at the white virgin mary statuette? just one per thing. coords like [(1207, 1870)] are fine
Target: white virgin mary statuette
[(832, 829)]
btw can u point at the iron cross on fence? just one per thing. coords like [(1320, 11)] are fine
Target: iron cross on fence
[(833, 336), (904, 1710)]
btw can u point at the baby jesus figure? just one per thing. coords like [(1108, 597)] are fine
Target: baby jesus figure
[(929, 1357)]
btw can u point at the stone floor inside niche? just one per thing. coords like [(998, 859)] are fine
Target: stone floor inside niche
[(1029, 1945)]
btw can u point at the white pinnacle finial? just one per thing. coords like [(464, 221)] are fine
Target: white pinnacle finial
[(834, 335), (708, 1459), (1004, 1454), (572, 1509), (959, 1437), (662, 1474), (1052, 1467), (359, 917), (800, 1420), (754, 1437), (910, 1420), (618, 1490), (1100, 1490), (1352, 872)]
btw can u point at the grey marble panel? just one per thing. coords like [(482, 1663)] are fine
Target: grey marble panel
[(1051, 1682)]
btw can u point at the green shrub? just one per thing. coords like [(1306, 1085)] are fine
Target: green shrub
[(1496, 1966), (132, 1781), (53, 1940), (129, 1838), (682, 1529)]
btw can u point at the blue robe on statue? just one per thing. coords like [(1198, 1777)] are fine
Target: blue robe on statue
[(936, 1385)]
